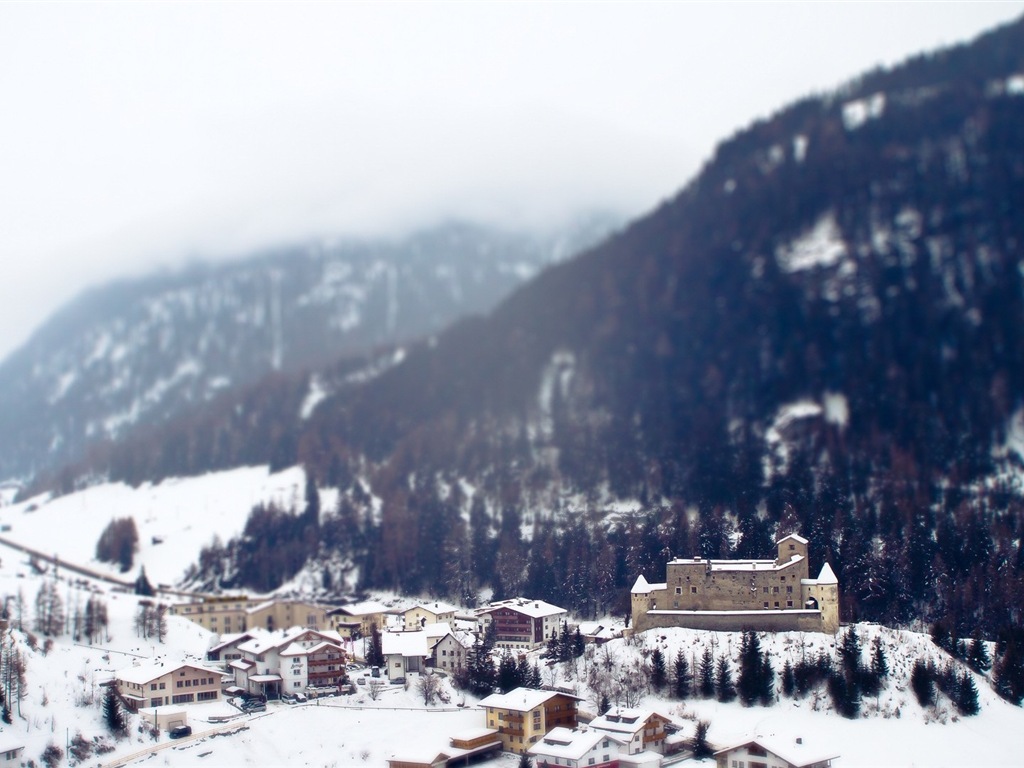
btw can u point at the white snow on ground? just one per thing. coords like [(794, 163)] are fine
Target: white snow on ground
[(317, 392), (822, 246), (183, 514), (63, 696), (837, 409), (859, 111), (777, 456)]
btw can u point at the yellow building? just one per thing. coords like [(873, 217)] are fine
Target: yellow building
[(522, 717)]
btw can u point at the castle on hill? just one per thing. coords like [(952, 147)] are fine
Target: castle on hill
[(775, 595)]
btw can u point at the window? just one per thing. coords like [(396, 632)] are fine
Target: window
[(765, 590), (765, 603), (183, 698), (693, 590), (776, 603), (679, 590), (789, 603), (206, 696), (789, 590), (152, 686)]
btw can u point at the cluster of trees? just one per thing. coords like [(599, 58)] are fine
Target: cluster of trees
[(926, 677), (565, 645), (151, 620), (118, 543)]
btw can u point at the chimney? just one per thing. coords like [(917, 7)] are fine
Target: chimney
[(799, 740)]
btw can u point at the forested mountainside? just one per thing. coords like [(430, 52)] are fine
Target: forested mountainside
[(821, 332), (143, 352)]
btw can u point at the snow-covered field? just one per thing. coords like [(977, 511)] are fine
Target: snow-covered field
[(183, 515)]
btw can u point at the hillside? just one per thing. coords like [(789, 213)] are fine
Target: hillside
[(145, 352), (819, 333)]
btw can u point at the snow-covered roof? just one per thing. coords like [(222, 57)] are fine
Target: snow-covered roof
[(535, 609), (791, 750), (438, 630), (266, 641), (144, 673), (359, 609), (742, 565), (794, 536), (562, 742), (242, 664), (622, 720), (405, 644), (226, 641), (435, 608), (521, 699), (827, 575)]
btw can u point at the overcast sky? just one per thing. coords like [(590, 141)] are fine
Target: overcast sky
[(136, 136)]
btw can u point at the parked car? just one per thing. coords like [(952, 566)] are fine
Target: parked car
[(254, 705), (294, 698), (180, 731)]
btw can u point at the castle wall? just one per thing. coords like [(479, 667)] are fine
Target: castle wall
[(694, 586), (734, 621)]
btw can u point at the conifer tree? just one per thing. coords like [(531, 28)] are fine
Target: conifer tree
[(725, 689), (922, 684), (699, 746), (977, 655), (682, 677), (788, 679), (707, 674), (658, 672), (113, 715), (375, 653), (966, 695)]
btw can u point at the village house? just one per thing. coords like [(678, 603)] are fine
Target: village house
[(465, 746), (157, 684), (449, 647), (523, 716), (419, 616), (404, 652), (226, 650), (641, 730), (774, 595), (225, 615), (366, 614), (576, 749), (219, 614), (522, 624), (11, 749), (774, 752), (276, 663)]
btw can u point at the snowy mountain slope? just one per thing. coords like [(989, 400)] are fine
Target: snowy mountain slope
[(143, 351)]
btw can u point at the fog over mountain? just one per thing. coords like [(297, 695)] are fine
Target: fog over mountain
[(819, 333)]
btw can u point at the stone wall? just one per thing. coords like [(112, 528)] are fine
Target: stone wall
[(734, 621)]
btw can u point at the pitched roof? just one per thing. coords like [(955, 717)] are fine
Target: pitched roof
[(404, 644), (521, 699), (435, 608), (794, 536), (570, 744), (144, 673), (792, 750), (623, 720), (535, 609)]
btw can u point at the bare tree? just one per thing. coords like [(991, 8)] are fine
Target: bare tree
[(429, 685), (376, 688)]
